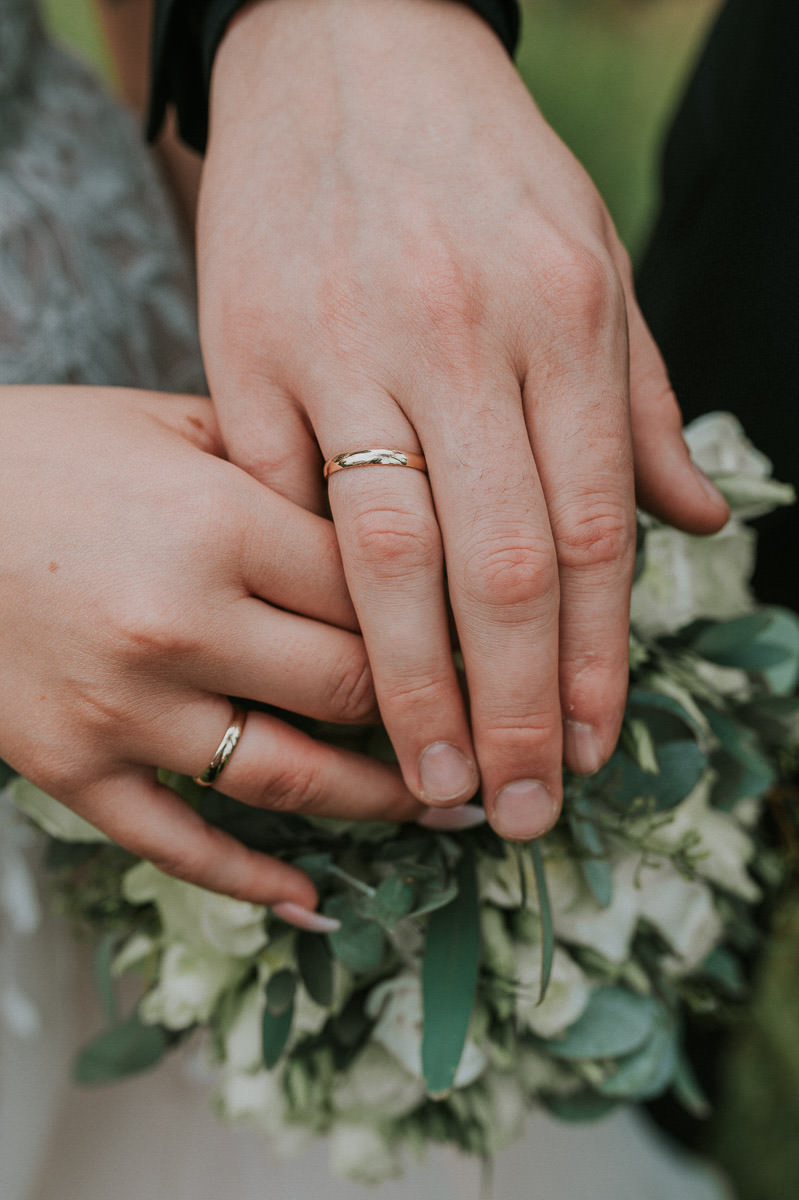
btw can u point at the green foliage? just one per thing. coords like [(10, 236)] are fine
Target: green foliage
[(449, 980), (126, 1049), (616, 1022)]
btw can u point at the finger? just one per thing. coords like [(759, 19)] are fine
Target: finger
[(268, 436), (277, 658), (192, 417), (668, 484), (577, 410), (503, 586), (154, 823), (391, 549), (277, 767), (290, 557)]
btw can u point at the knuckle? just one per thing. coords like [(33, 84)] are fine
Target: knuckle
[(294, 788), (596, 537), (512, 575), (584, 287), (353, 696), (145, 629), (395, 542), (415, 694), (450, 297)]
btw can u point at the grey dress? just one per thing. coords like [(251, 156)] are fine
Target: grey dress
[(95, 282)]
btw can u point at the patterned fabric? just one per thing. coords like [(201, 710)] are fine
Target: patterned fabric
[(96, 285)]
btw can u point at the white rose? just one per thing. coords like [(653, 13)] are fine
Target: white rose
[(500, 880), (376, 1083), (682, 911), (566, 996), (190, 982), (721, 849), (507, 1104), (397, 1004), (720, 447), (362, 1153), (689, 577), (196, 916), (52, 816), (609, 930)]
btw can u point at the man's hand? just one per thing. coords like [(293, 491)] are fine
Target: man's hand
[(396, 250)]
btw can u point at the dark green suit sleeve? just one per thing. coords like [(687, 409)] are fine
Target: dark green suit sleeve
[(186, 34)]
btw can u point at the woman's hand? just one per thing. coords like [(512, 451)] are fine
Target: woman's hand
[(143, 581), (395, 250)]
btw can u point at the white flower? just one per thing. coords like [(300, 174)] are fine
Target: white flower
[(257, 1098), (362, 1153), (136, 950), (507, 1108), (243, 1048), (689, 577), (566, 996), (720, 447), (609, 930), (682, 911), (500, 880), (376, 1082), (722, 848), (397, 1004), (190, 982), (51, 816), (198, 917)]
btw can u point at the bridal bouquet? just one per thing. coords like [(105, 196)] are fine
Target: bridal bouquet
[(472, 979)]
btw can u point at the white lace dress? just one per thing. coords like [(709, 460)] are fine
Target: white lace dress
[(96, 288)]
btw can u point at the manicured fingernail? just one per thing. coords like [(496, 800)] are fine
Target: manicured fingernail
[(524, 809), (465, 816), (445, 773), (581, 748), (303, 918)]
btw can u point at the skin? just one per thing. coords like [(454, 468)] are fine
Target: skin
[(143, 581), (395, 250)]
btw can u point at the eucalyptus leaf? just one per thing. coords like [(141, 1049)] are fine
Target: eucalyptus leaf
[(360, 942), (643, 701), (681, 767), (392, 901), (280, 990), (741, 767), (649, 1070), (435, 897), (126, 1049), (595, 868), (449, 980), (616, 1021), (104, 953), (688, 1089), (580, 1106), (315, 963), (275, 1031), (545, 911), (784, 631)]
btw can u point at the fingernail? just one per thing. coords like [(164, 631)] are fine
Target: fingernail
[(445, 773), (466, 816), (708, 486), (581, 748), (304, 918), (524, 809)]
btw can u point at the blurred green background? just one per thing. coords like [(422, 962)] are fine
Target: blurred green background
[(606, 73)]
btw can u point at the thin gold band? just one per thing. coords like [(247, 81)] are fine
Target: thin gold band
[(374, 458), (225, 748)]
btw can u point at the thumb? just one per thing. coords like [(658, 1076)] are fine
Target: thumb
[(668, 484), (268, 437)]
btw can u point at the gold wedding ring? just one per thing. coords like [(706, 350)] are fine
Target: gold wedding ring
[(225, 749), (374, 458)]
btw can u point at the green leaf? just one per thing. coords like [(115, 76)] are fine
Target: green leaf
[(642, 700), (350, 1025), (688, 1089), (315, 963), (649, 1070), (725, 971), (104, 953), (125, 1049), (784, 631), (280, 991), (717, 640), (435, 897), (742, 769), (766, 640), (449, 980), (616, 1022), (581, 1106), (392, 901), (545, 909), (275, 1031), (593, 862), (681, 766), (360, 942)]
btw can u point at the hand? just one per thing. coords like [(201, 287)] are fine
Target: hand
[(396, 250), (143, 581)]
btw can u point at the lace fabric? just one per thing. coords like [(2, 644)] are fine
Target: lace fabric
[(96, 286)]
